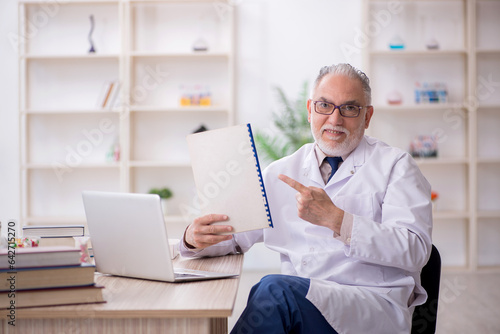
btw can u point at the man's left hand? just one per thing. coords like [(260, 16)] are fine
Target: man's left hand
[(315, 206)]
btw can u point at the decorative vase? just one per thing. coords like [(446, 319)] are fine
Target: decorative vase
[(164, 206), (394, 98), (200, 45), (92, 25)]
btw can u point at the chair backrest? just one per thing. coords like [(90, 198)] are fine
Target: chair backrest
[(425, 315)]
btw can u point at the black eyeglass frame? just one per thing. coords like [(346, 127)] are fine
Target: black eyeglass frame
[(340, 108)]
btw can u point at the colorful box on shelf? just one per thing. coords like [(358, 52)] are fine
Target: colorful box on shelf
[(435, 92), (424, 147), (195, 96)]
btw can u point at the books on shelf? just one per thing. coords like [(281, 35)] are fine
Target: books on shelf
[(108, 96), (228, 177), (39, 257), (54, 231), (47, 277), (52, 296)]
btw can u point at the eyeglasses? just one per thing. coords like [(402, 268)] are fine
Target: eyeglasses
[(346, 110)]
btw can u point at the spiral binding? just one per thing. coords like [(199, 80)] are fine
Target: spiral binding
[(257, 165)]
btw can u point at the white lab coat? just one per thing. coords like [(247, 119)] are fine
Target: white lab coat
[(373, 284)]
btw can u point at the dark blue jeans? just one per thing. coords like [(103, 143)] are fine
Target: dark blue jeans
[(278, 304)]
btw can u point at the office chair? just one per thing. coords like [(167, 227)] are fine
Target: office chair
[(425, 315)]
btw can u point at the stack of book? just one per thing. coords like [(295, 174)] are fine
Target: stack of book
[(46, 276)]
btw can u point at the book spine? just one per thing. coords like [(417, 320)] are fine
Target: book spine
[(259, 173), (108, 95), (55, 231)]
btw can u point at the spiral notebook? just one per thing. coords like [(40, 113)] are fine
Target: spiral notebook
[(228, 177)]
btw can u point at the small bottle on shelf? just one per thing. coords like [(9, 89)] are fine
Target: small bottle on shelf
[(396, 43), (195, 98), (442, 92), (433, 94), (394, 98), (424, 93), (418, 93), (185, 99), (205, 98)]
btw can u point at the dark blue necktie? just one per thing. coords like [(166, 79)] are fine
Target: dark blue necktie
[(334, 162)]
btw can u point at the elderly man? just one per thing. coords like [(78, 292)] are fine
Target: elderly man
[(352, 224)]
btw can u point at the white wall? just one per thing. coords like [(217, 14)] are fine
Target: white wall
[(9, 137), (279, 43)]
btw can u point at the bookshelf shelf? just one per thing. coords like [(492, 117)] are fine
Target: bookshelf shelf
[(169, 1), (146, 49), (488, 51), (439, 215), (71, 2), (385, 1), (488, 160), (417, 53), (489, 106), (466, 173), (70, 112), (160, 164), (441, 161), (35, 166), (194, 55), (34, 57), (190, 109), (489, 214), (417, 109)]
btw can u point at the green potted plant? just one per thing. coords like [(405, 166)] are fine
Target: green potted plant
[(290, 130), (164, 193)]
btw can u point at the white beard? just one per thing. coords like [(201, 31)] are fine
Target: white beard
[(339, 149)]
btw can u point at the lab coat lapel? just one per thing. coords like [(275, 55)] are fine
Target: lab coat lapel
[(350, 166), (311, 170)]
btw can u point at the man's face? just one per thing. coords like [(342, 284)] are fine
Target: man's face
[(337, 135)]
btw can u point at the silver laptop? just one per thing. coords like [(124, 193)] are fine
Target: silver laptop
[(129, 238)]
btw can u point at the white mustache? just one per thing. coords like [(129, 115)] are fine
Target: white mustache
[(335, 128)]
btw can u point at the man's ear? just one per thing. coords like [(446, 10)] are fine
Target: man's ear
[(368, 116), (309, 105)]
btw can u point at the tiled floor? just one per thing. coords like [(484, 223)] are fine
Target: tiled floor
[(469, 302)]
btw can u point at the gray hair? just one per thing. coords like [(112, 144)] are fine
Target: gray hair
[(348, 71)]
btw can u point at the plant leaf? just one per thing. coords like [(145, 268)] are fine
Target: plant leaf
[(291, 123)]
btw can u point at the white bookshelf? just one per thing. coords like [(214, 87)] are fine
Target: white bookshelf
[(68, 140), (466, 173)]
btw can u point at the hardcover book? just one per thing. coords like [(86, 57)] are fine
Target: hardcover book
[(47, 277), (54, 231), (228, 177), (39, 257), (52, 297)]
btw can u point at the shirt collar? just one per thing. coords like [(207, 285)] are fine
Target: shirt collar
[(320, 155)]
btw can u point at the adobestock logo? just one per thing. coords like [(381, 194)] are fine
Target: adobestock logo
[(47, 10), (94, 138), (84, 148), (148, 83), (379, 20), (223, 8), (454, 118), (218, 181)]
